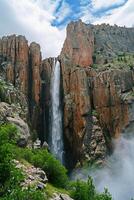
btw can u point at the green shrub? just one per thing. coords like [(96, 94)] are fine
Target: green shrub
[(56, 172), (104, 196), (81, 190), (8, 134), (6, 154), (9, 175), (24, 153), (27, 194)]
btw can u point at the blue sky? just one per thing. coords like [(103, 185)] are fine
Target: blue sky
[(45, 21), (76, 10)]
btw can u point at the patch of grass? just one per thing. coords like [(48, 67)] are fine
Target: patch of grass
[(50, 190)]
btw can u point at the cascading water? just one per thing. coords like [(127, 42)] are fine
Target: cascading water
[(56, 134)]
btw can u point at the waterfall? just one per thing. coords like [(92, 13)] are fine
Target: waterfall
[(56, 134)]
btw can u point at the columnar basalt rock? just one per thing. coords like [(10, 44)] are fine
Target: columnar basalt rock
[(108, 88), (103, 91), (14, 54), (45, 102), (35, 65), (20, 65), (79, 43), (95, 149), (77, 109)]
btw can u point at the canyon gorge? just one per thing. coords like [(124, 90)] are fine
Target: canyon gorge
[(95, 95)]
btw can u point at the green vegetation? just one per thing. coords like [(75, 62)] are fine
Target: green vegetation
[(94, 113), (56, 173), (86, 191), (27, 194), (11, 177), (123, 60), (4, 88), (50, 190)]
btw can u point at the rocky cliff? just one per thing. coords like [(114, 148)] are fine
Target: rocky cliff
[(96, 102), (111, 41), (20, 65), (79, 44), (91, 94)]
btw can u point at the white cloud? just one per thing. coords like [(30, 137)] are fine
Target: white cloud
[(85, 10), (121, 16), (34, 18), (99, 4), (64, 11)]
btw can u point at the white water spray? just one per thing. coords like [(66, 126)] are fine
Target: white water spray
[(118, 174), (56, 134)]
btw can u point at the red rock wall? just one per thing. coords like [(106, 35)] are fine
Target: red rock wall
[(14, 50), (79, 43), (86, 90)]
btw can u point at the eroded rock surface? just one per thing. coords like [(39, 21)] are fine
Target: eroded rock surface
[(79, 43), (87, 90), (34, 177)]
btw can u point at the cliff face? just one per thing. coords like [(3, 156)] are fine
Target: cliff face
[(111, 41), (79, 43), (96, 103), (91, 94), (20, 65), (14, 54)]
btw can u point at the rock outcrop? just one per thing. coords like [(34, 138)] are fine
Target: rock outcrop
[(34, 177), (87, 90), (14, 109), (20, 65), (111, 41), (79, 44), (60, 197), (45, 102), (77, 110), (14, 59), (34, 71), (108, 88)]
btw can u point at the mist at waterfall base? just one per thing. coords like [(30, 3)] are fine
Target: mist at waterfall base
[(118, 173), (56, 135)]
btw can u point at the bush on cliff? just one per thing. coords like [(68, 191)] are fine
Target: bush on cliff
[(81, 190), (56, 172)]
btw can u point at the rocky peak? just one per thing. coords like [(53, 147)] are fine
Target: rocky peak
[(78, 46), (14, 55), (20, 64)]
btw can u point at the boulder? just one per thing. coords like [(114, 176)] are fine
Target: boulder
[(60, 197), (24, 133)]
